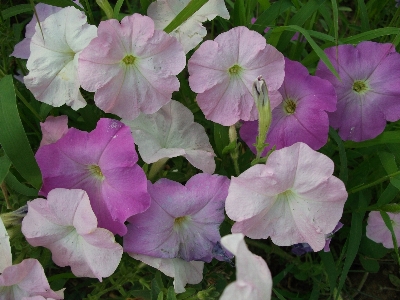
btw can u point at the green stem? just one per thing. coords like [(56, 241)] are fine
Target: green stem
[(380, 180), (156, 168)]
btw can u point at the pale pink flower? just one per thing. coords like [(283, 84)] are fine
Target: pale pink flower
[(253, 278), (378, 231), (223, 71), (293, 198), (182, 271), (191, 32), (53, 62), (5, 248), (172, 132), (26, 279), (131, 66), (53, 129), (66, 224)]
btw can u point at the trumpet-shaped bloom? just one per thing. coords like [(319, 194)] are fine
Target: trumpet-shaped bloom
[(253, 278), (378, 231), (182, 271), (53, 129), (191, 32), (103, 163), (131, 66), (368, 90), (66, 224), (182, 221), (172, 132), (5, 248), (301, 116), (293, 198), (223, 71), (53, 62), (26, 279)]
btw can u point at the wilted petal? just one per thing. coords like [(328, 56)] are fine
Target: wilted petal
[(172, 132)]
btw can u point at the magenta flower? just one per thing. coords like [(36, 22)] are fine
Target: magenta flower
[(293, 198), (253, 278), (131, 66), (368, 90), (103, 163), (26, 279), (182, 221), (66, 224), (53, 129), (223, 71), (301, 116), (378, 231)]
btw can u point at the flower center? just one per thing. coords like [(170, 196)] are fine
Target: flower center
[(181, 221), (289, 105), (129, 59), (360, 86), (234, 70), (96, 171), (286, 195)]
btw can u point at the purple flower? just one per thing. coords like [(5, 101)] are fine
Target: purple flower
[(103, 163), (368, 90), (182, 221), (301, 116), (301, 248)]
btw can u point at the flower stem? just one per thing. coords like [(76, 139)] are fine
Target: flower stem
[(235, 151), (380, 180), (157, 167)]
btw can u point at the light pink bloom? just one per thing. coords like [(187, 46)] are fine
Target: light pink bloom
[(182, 271), (66, 224), (293, 198), (191, 32), (53, 63), (378, 231), (223, 71), (5, 248), (26, 279), (102, 162), (368, 91), (172, 132), (253, 278), (131, 66), (53, 129)]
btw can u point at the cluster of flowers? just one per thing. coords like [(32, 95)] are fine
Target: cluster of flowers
[(93, 183)]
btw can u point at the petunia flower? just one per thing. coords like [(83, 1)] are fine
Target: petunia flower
[(253, 278), (368, 90), (103, 163), (26, 279), (131, 66), (182, 221), (53, 62), (172, 132), (5, 248), (223, 71), (53, 129), (191, 32), (301, 116), (182, 271), (66, 224), (377, 230), (293, 198)]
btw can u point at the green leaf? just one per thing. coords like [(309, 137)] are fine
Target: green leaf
[(186, 13), (239, 14), (160, 296), (268, 17), (369, 35), (17, 186), (16, 10), (171, 293), (371, 249), (5, 165), (12, 135), (312, 43), (388, 161), (330, 268), (388, 195), (221, 137), (394, 280), (280, 297), (117, 8), (343, 173), (393, 208), (354, 240), (389, 137), (369, 265), (335, 12), (389, 225), (60, 3), (362, 8)]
